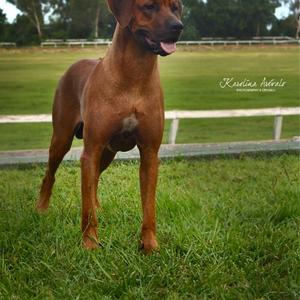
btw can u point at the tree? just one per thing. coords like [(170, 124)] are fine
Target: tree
[(97, 18), (220, 17), (254, 16), (33, 10), (230, 18), (284, 27), (295, 8), (294, 19), (193, 12), (23, 32), (92, 19), (97, 7), (3, 19), (79, 18), (259, 14), (3, 23), (107, 21)]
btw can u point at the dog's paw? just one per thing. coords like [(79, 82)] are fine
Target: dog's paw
[(149, 246), (91, 243), (41, 207)]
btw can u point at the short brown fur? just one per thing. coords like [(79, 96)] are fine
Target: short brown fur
[(120, 102)]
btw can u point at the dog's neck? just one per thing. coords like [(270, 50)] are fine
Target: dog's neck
[(127, 59)]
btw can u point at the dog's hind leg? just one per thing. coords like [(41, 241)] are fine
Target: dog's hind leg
[(60, 145)]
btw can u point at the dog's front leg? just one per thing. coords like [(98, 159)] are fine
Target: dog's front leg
[(148, 181), (90, 169)]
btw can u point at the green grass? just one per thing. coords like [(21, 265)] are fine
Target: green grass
[(190, 79), (228, 229)]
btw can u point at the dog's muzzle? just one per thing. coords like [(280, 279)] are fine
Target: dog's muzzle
[(165, 43)]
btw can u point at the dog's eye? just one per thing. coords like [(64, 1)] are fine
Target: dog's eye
[(175, 8), (149, 7)]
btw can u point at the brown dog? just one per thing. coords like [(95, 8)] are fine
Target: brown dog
[(115, 104)]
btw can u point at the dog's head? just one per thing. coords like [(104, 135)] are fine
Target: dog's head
[(156, 24)]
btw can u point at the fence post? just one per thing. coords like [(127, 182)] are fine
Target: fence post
[(173, 131), (277, 128)]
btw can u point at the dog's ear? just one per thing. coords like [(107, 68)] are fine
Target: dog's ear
[(122, 10)]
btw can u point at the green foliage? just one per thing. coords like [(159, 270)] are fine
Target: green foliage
[(257, 15), (286, 27), (32, 9), (236, 18), (211, 18), (3, 19), (193, 19), (221, 17), (228, 229), (3, 25), (22, 32), (70, 21)]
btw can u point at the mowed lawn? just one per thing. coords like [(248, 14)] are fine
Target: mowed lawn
[(190, 79), (228, 229)]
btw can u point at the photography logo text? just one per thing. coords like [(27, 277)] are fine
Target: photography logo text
[(247, 85)]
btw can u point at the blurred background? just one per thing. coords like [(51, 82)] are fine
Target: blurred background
[(27, 22)]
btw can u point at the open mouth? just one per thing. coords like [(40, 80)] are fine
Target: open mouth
[(160, 47), (167, 47)]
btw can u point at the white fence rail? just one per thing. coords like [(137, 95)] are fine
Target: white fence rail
[(5, 44), (240, 42), (277, 112), (75, 42), (211, 42), (205, 41), (176, 115)]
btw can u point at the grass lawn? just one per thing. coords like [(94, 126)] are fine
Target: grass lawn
[(190, 78), (228, 229)]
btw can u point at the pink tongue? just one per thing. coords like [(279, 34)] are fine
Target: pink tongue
[(168, 47)]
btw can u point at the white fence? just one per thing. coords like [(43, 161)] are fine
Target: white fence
[(239, 42), (176, 115), (75, 42), (205, 41), (6, 45), (277, 112), (211, 42)]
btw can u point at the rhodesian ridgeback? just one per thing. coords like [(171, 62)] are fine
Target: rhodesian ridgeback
[(114, 104)]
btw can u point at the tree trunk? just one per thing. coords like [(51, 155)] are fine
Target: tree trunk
[(97, 21), (297, 14), (258, 29), (38, 25)]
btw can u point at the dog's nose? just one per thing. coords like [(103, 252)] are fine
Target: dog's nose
[(175, 25)]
